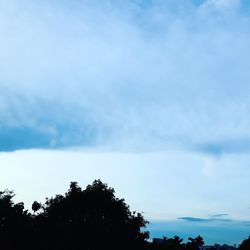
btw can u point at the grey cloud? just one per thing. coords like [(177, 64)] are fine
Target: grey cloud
[(192, 219), (219, 215), (210, 219), (228, 146)]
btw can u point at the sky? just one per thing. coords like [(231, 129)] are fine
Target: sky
[(151, 96)]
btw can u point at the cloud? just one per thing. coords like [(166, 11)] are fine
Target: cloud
[(228, 146), (207, 220), (219, 215), (128, 75), (192, 219)]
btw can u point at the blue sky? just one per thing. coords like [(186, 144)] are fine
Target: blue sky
[(154, 90)]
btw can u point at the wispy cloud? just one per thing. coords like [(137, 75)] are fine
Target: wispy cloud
[(220, 218), (219, 215), (192, 219), (125, 74)]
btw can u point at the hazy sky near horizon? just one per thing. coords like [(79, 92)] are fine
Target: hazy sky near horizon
[(150, 95)]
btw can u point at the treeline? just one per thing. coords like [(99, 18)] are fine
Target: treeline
[(92, 219), (176, 243)]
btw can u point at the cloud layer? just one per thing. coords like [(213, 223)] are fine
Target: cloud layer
[(134, 75)]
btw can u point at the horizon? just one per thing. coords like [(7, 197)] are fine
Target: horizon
[(150, 96)]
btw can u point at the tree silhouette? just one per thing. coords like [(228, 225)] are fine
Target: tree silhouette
[(14, 222), (175, 243), (82, 219), (168, 244), (194, 243), (245, 244), (89, 219)]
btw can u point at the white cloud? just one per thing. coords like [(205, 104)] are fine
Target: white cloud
[(132, 76)]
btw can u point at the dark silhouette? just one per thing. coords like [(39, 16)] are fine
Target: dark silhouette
[(36, 206), (176, 243), (194, 243), (245, 245), (88, 219), (14, 222), (168, 243)]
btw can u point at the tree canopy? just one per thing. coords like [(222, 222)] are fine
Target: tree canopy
[(93, 218)]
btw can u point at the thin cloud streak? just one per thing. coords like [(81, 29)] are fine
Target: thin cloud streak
[(205, 220)]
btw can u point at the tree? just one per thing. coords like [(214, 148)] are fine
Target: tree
[(165, 243), (175, 243), (245, 244), (89, 219), (194, 243), (14, 222)]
